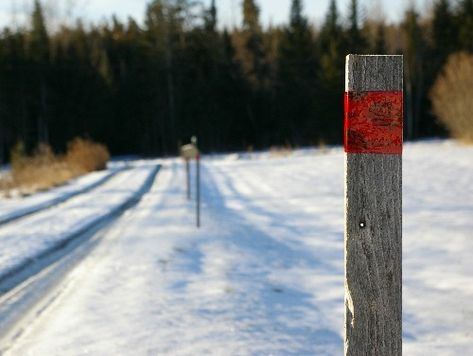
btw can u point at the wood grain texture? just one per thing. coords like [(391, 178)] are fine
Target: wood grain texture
[(373, 229), (371, 73)]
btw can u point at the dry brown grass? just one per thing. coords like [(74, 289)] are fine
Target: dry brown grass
[(44, 169), (87, 156), (451, 96), (280, 151)]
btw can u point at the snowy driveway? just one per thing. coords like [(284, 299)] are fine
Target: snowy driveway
[(264, 275), (28, 238)]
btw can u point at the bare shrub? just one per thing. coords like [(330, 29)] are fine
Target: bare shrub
[(280, 151), (451, 96), (39, 171), (86, 155), (18, 157), (44, 169)]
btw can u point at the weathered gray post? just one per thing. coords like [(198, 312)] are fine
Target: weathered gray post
[(188, 179), (197, 188), (373, 198), (197, 181), (189, 152)]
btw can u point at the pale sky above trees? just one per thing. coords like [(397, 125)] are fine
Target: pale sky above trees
[(272, 11)]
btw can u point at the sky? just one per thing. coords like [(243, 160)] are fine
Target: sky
[(272, 11)]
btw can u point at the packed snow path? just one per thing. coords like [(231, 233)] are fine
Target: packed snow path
[(264, 275), (15, 208), (26, 240)]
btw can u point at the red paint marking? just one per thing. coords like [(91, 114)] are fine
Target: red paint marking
[(373, 122)]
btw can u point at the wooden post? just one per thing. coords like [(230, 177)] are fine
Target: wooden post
[(189, 152), (197, 163), (373, 201), (188, 179)]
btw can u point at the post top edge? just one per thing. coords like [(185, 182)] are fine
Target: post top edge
[(374, 72), (374, 55)]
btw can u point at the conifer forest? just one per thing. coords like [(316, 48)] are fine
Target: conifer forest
[(144, 88)]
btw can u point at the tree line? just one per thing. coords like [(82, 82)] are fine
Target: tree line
[(145, 88)]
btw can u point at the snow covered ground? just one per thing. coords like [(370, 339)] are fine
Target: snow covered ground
[(264, 274), (30, 237), (16, 207)]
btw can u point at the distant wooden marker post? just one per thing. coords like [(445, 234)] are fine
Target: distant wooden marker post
[(373, 205), (188, 179), (189, 152)]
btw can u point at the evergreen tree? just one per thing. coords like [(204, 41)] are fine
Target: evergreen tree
[(211, 18), (331, 47), (443, 31), (465, 24), (379, 43), (251, 14), (14, 84), (165, 26), (254, 55), (414, 71), (332, 59), (356, 42), (297, 80), (232, 85), (253, 58), (39, 45), (297, 19), (39, 48)]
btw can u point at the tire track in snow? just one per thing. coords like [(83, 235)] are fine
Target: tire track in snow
[(40, 287), (29, 209), (164, 287), (32, 239)]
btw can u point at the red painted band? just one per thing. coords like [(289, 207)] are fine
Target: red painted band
[(373, 122)]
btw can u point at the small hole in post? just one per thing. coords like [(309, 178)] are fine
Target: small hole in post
[(362, 224)]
